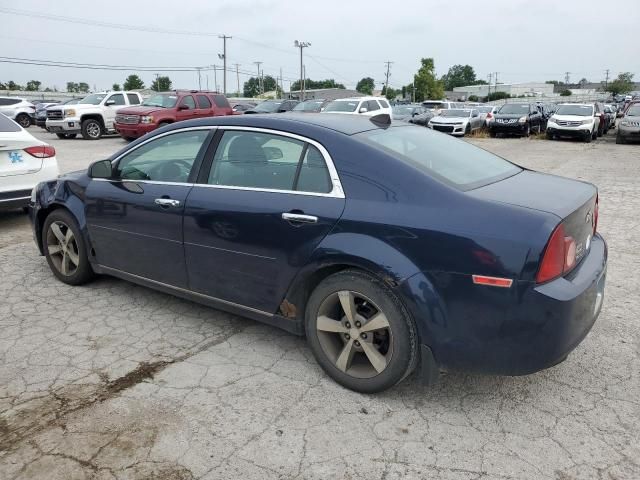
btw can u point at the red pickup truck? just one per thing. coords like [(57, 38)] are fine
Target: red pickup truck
[(169, 107)]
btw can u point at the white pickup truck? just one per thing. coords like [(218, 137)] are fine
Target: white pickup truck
[(93, 116)]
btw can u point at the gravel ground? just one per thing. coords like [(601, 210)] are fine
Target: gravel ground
[(115, 381)]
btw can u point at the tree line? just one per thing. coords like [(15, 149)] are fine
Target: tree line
[(132, 82)]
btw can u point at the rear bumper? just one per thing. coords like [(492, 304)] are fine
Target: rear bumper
[(14, 199), (135, 131), (514, 331)]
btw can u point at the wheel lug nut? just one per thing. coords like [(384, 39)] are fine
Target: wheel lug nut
[(348, 325), (357, 343), (347, 336), (363, 335), (358, 324)]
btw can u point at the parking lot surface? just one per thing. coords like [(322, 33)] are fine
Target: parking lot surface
[(116, 381)]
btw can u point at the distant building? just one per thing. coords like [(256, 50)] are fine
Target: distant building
[(326, 93), (531, 89)]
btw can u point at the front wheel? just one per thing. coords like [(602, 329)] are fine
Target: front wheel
[(23, 120), (65, 136), (360, 333), (619, 139), (492, 134), (64, 248), (91, 129), (527, 131), (550, 136)]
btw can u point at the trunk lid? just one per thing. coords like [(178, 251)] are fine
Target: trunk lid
[(13, 159)]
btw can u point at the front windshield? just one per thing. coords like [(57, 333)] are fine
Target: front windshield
[(268, 106), (580, 110), (161, 100), (342, 106), (403, 110), (634, 111), (309, 106), (519, 108), (442, 157), (93, 99), (455, 113)]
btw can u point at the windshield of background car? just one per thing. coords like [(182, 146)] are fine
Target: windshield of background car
[(580, 110), (433, 105), (93, 99), (442, 157), (342, 106), (164, 101), (454, 113), (268, 107), (308, 106), (484, 109), (519, 108), (401, 110), (8, 125), (633, 111)]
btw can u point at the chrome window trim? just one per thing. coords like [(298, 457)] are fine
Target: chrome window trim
[(336, 190)]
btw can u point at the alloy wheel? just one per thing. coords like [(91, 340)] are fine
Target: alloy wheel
[(93, 129), (354, 334), (63, 248)]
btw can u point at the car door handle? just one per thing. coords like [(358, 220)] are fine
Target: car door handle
[(299, 217), (167, 202)]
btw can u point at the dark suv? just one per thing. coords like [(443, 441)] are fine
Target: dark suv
[(517, 119), (169, 107)]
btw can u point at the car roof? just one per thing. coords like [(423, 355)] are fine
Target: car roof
[(291, 121)]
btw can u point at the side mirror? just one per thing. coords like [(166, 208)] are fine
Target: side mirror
[(363, 110), (100, 169), (183, 107)]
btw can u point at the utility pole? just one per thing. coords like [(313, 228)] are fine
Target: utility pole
[(281, 85), (495, 77), (258, 77), (386, 83), (606, 81), (199, 78), (224, 60), (490, 76), (237, 65), (262, 81), (301, 46), (566, 78), (413, 92), (215, 78)]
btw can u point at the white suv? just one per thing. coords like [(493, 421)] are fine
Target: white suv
[(18, 109), (24, 162), (93, 116), (368, 106), (574, 120)]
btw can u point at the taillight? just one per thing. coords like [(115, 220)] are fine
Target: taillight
[(595, 216), (41, 151), (559, 257)]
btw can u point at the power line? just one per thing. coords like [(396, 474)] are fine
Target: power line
[(91, 66)]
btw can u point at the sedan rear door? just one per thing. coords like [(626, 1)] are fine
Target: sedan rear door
[(256, 215)]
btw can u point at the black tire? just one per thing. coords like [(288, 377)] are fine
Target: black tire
[(467, 130), (527, 131), (594, 134), (129, 139), (65, 136), (91, 129), (550, 136), (23, 120), (619, 139), (401, 341), (163, 124), (492, 134), (588, 138), (83, 271)]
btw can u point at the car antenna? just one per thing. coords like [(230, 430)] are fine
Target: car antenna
[(381, 120)]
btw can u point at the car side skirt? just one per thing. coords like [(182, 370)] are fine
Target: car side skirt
[(279, 321)]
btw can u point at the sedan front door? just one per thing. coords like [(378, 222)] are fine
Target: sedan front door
[(257, 215), (135, 218)]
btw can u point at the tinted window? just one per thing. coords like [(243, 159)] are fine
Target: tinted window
[(203, 102), (133, 98), (9, 101), (372, 105), (189, 102), (256, 160), (441, 156), (221, 101), (580, 110), (8, 125), (314, 175), (118, 98), (165, 159), (384, 103), (514, 108), (342, 106)]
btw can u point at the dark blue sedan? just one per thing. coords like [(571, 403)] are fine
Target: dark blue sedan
[(389, 246)]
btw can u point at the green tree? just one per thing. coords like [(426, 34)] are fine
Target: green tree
[(11, 85), (115, 87), (390, 93), (252, 86), (473, 98), (33, 85), (565, 93), (425, 81), (497, 96), (366, 85), (133, 82), (72, 87), (459, 76), (161, 84), (83, 87), (622, 84), (310, 84)]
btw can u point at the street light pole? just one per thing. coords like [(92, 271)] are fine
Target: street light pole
[(224, 59), (301, 46), (258, 77), (237, 65)]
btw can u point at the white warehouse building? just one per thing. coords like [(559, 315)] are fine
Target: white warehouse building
[(537, 89)]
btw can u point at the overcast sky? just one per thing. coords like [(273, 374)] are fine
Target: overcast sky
[(522, 40)]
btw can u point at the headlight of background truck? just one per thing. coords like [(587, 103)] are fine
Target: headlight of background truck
[(69, 113)]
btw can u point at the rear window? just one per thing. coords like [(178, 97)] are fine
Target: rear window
[(384, 103), (221, 101), (133, 99), (441, 156), (342, 106), (8, 125)]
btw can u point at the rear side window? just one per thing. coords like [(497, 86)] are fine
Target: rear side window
[(189, 102), (372, 105), (203, 102), (9, 101), (221, 101), (118, 98), (442, 157), (8, 125), (384, 103), (133, 99)]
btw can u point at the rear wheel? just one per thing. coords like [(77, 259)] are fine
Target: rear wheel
[(23, 120), (360, 333), (492, 134), (91, 129), (619, 139), (64, 248), (66, 135), (467, 131)]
